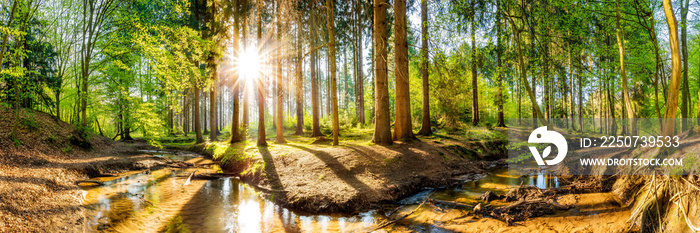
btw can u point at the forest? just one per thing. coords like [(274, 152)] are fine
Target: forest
[(329, 107)]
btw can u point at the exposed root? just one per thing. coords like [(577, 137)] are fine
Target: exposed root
[(523, 209)]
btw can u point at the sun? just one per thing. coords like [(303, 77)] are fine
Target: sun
[(249, 64)]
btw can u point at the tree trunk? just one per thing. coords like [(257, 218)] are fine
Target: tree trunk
[(197, 115), (300, 83), (205, 110), (475, 84), (580, 99), (359, 81), (280, 91), (262, 140), (523, 77), (331, 48), (402, 126), (632, 128), (382, 128), (235, 127), (425, 125), (674, 86), (315, 101), (685, 101), (212, 105), (244, 82)]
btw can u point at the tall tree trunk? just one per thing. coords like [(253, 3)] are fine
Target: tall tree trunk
[(425, 125), (402, 127), (475, 84), (300, 82), (205, 110), (331, 48), (523, 77), (674, 86), (580, 99), (235, 127), (535, 106), (315, 101), (197, 115), (698, 113), (685, 85), (572, 114), (611, 104), (359, 82), (212, 105), (623, 73), (280, 91), (262, 140), (244, 82), (382, 128)]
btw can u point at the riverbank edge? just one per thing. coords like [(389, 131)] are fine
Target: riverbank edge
[(448, 176)]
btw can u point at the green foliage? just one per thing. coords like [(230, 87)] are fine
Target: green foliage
[(146, 118), (17, 142)]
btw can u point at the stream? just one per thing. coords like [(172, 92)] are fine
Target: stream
[(160, 201)]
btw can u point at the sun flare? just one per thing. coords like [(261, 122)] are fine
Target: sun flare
[(249, 64)]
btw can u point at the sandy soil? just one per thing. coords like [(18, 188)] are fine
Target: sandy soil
[(591, 212)]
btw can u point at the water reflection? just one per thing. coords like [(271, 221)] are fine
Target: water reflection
[(158, 201)]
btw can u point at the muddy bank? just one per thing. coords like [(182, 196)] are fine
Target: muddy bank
[(354, 177), (38, 171)]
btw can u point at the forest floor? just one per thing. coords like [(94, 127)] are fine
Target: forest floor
[(38, 173), (39, 170), (309, 175)]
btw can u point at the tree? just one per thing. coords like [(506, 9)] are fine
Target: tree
[(402, 125), (518, 29), (475, 83), (315, 101), (675, 82), (280, 89), (300, 78), (262, 140), (382, 128), (331, 48), (499, 78), (235, 127), (685, 85), (623, 73), (359, 73), (6, 35), (425, 125), (97, 14)]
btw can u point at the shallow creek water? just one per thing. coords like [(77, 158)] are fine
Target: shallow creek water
[(161, 201)]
